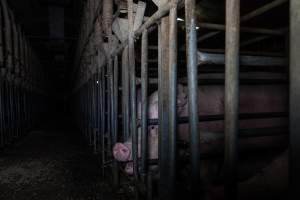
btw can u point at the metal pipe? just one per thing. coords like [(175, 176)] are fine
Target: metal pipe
[(125, 94), (222, 27), (294, 98), (262, 10), (7, 32), (172, 101), (144, 105), (219, 59), (131, 61), (165, 189), (248, 16), (115, 117), (191, 55), (209, 118), (231, 96)]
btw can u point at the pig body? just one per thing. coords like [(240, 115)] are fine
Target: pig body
[(253, 99)]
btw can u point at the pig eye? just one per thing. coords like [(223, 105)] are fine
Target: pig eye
[(152, 127), (124, 150)]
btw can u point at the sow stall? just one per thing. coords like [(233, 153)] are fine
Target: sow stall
[(22, 90), (127, 50)]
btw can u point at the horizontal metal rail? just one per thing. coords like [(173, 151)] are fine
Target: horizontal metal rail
[(208, 118), (219, 59)]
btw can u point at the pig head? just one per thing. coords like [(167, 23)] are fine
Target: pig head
[(123, 151)]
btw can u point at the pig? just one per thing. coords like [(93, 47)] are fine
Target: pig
[(264, 98)]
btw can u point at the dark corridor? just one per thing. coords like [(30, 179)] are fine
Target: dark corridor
[(51, 163)]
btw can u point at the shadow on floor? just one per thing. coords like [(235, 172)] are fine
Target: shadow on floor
[(51, 163)]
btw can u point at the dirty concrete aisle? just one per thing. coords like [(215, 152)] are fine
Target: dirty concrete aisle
[(50, 164)]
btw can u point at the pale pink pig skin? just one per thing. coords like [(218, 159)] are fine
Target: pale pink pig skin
[(253, 99)]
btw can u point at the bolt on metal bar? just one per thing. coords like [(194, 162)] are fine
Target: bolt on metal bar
[(231, 96), (192, 67), (294, 94)]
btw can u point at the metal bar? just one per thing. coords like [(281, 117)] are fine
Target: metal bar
[(191, 54), (172, 109), (7, 32), (254, 40), (131, 61), (262, 10), (294, 94), (103, 105), (163, 100), (125, 93), (115, 118), (162, 11), (248, 16), (222, 27), (208, 118), (144, 105), (219, 59), (231, 96)]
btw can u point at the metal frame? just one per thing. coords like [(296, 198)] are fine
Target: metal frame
[(164, 20)]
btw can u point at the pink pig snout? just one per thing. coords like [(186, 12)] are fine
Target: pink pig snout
[(121, 152)]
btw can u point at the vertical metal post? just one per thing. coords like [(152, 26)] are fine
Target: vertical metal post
[(167, 103), (294, 94), (2, 130), (172, 71), (164, 187), (115, 113), (192, 69), (131, 58), (231, 96), (144, 105), (125, 93), (103, 121)]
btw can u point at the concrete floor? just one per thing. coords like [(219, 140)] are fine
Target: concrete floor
[(51, 164)]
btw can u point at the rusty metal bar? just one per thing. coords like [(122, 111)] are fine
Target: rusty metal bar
[(144, 105), (231, 96), (191, 54), (294, 106)]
